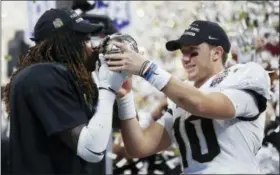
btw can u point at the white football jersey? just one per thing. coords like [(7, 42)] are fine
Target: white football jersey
[(223, 146)]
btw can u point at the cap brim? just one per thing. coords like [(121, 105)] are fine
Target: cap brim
[(183, 41), (83, 27), (86, 27)]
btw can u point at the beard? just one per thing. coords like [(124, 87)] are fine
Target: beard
[(91, 61)]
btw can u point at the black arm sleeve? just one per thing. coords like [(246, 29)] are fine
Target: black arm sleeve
[(55, 102)]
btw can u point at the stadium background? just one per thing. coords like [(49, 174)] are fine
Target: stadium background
[(253, 28)]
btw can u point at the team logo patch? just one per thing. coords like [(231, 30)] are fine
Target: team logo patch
[(219, 78), (57, 23)]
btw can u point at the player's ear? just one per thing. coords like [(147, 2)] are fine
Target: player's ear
[(217, 53)]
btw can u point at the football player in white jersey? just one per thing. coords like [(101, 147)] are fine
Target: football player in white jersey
[(216, 121)]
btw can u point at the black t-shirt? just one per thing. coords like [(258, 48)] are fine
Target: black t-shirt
[(45, 100)]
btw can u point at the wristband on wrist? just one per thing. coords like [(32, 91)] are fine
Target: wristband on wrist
[(143, 67), (147, 67), (126, 107), (155, 75)]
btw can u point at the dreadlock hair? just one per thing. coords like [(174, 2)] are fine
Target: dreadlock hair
[(64, 47)]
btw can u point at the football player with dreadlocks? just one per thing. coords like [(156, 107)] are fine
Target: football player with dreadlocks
[(216, 119), (59, 119)]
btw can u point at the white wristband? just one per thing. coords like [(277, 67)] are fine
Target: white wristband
[(126, 107), (157, 76)]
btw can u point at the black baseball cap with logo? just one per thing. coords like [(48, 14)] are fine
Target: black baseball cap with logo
[(199, 32), (56, 19)]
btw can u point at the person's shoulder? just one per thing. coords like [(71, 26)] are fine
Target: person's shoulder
[(42, 74), (248, 66), (47, 69), (251, 76)]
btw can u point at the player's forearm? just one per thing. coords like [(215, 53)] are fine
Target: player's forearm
[(136, 140), (213, 105), (185, 96), (133, 137), (141, 142), (94, 137)]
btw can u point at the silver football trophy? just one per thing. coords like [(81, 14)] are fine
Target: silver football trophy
[(106, 46)]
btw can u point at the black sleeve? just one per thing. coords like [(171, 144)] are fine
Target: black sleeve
[(55, 103)]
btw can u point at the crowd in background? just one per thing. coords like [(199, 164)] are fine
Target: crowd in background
[(254, 33)]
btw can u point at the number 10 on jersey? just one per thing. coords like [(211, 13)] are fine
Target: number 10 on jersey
[(201, 137)]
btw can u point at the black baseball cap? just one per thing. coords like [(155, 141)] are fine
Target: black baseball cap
[(199, 32), (56, 19)]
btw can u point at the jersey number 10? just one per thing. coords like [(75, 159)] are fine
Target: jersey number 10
[(200, 132)]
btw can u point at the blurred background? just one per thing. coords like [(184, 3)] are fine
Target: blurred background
[(253, 28)]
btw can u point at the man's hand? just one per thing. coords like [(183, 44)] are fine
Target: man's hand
[(128, 61), (108, 79), (134, 63)]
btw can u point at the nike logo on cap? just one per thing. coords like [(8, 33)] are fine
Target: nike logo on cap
[(212, 38)]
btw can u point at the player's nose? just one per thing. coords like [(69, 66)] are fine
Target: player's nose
[(186, 59)]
